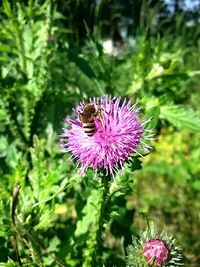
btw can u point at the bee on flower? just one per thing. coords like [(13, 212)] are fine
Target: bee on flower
[(104, 134)]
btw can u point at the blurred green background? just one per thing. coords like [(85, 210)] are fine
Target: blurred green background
[(53, 54)]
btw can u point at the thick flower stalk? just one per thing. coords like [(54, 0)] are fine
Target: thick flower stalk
[(153, 249), (105, 138)]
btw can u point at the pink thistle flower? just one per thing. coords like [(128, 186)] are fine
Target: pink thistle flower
[(156, 251), (114, 139)]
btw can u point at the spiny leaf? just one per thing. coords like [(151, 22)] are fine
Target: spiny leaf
[(181, 117), (7, 8), (152, 113)]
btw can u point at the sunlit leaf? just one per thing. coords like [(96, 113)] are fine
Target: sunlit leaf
[(181, 117)]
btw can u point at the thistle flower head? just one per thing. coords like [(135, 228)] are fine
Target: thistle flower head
[(154, 249), (105, 138)]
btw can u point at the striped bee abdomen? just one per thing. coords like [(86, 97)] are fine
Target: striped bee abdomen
[(89, 128)]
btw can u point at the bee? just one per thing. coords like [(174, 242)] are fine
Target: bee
[(86, 118)]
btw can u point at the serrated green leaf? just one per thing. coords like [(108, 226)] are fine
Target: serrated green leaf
[(45, 219), (152, 113), (54, 244), (180, 117), (7, 9), (89, 212)]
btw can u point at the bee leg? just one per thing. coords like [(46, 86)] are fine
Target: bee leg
[(101, 109), (100, 115), (80, 118)]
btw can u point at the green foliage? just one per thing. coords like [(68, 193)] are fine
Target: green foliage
[(47, 66)]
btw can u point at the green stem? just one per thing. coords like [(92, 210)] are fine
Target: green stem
[(94, 243)]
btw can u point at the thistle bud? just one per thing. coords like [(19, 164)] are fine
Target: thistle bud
[(156, 251)]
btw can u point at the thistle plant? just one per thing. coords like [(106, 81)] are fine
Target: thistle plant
[(103, 136), (154, 249)]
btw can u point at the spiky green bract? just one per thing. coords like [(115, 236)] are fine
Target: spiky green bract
[(135, 257)]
